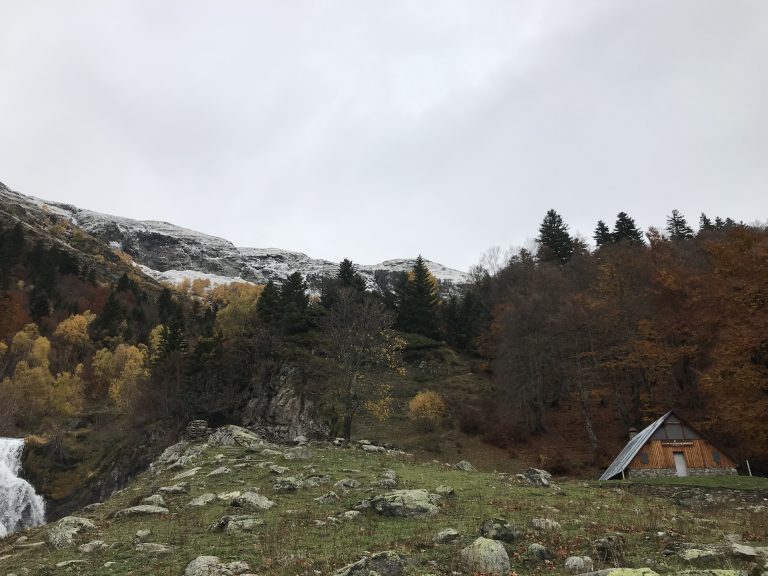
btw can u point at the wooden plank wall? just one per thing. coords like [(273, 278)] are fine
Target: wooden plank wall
[(698, 454)]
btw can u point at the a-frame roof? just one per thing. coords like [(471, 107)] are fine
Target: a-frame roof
[(632, 448)]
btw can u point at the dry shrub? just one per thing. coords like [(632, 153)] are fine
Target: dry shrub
[(427, 408)]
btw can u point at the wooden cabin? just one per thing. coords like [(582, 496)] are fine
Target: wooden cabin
[(669, 447)]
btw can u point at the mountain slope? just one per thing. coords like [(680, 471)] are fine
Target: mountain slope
[(170, 253)]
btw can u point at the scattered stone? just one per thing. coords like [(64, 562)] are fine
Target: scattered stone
[(68, 563), (349, 515), (339, 442), (540, 552), (298, 453), (92, 546), (579, 564), (287, 484), (63, 532), (154, 500), (153, 548), (347, 484), (404, 503), (610, 548), (364, 442), (732, 538), (180, 488), (92, 507), (228, 496), (387, 483), (142, 535), (388, 563), (445, 491), (236, 523), (545, 524), (252, 500), (388, 474), (203, 500), (269, 453), (371, 448), (465, 465), (196, 429), (329, 498), (211, 566), (486, 556), (142, 510), (500, 529), (187, 473), (232, 436), (536, 477), (279, 470), (695, 554), (300, 439), (446, 536), (220, 471), (749, 552)]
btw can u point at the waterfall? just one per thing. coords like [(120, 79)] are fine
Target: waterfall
[(20, 506)]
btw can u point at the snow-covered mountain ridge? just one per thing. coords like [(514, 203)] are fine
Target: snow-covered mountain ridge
[(171, 253)]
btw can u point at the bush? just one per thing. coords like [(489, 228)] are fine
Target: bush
[(427, 409)]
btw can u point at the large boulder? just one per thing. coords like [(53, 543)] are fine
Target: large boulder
[(486, 556), (579, 564), (388, 563), (62, 533), (404, 503)]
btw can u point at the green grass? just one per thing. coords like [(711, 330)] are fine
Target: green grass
[(716, 482), (291, 541)]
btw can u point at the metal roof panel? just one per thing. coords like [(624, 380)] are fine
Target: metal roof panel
[(632, 448)]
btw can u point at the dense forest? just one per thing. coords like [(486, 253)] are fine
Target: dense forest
[(622, 332)]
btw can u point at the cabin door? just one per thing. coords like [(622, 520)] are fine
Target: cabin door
[(681, 466)]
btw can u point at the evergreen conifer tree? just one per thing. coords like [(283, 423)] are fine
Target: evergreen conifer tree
[(348, 276), (625, 230), (555, 244), (269, 306), (677, 227), (705, 223), (295, 303), (418, 302), (602, 234)]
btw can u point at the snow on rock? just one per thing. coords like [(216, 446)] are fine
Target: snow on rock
[(171, 253)]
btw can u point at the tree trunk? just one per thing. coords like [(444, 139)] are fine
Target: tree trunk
[(347, 427)]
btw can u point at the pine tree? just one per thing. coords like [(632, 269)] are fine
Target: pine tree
[(625, 229), (555, 244), (269, 305), (602, 234), (418, 302), (295, 303), (677, 227), (705, 223), (348, 276)]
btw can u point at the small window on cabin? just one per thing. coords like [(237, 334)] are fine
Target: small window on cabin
[(716, 456), (644, 457)]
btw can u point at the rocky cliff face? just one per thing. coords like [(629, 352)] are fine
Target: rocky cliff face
[(170, 253)]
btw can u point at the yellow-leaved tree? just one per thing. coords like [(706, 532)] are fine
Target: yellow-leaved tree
[(119, 373)]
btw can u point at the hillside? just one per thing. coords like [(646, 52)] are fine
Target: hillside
[(313, 508), (170, 253)]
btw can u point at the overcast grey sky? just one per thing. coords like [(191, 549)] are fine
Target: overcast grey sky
[(375, 129)]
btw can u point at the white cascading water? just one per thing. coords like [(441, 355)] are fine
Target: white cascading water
[(20, 506)]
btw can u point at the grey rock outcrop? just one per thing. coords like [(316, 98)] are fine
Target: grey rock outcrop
[(62, 533), (404, 503), (253, 501)]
